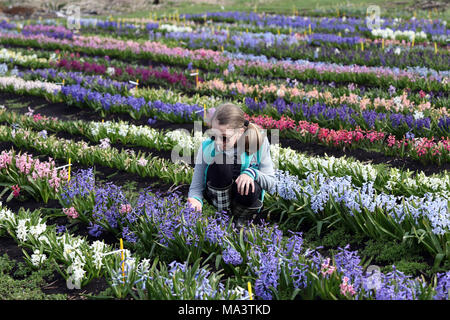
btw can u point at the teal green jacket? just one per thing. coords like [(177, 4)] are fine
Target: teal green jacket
[(258, 166)]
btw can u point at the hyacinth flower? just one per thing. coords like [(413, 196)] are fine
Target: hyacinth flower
[(384, 214), (137, 106), (27, 175), (145, 75), (210, 59), (422, 149)]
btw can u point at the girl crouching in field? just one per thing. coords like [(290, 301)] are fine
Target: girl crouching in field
[(233, 167)]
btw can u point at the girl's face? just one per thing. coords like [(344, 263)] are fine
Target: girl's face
[(225, 137)]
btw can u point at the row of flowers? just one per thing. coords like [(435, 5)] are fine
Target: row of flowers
[(129, 275), (423, 149), (330, 200), (432, 212), (102, 154), (21, 173), (392, 180), (270, 91), (210, 84), (436, 27), (346, 117), (293, 46), (247, 64), (395, 123), (84, 261), (140, 27), (402, 218), (278, 266), (290, 47), (114, 70)]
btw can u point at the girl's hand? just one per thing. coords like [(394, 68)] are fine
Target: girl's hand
[(244, 182), (197, 205)]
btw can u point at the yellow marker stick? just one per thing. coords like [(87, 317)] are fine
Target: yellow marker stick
[(103, 120), (382, 43), (435, 48), (290, 30), (123, 260), (137, 83), (362, 46), (412, 44), (64, 80), (68, 177), (310, 31), (221, 48), (250, 290), (204, 112), (278, 31)]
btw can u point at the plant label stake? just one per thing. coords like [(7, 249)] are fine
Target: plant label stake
[(412, 44), (204, 112), (68, 177), (435, 48), (362, 45), (382, 43), (123, 260), (309, 26), (250, 290)]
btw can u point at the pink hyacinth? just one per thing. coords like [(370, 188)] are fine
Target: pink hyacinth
[(347, 288), (5, 159), (71, 212), (125, 208), (16, 190), (326, 269), (24, 163)]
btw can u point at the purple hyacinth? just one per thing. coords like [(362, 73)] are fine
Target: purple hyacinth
[(231, 256)]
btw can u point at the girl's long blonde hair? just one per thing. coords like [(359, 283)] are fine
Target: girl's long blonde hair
[(233, 116)]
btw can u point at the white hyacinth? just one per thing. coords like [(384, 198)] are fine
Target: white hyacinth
[(37, 258)]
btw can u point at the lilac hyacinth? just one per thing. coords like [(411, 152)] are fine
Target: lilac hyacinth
[(267, 274), (107, 100), (392, 90), (294, 245), (80, 185), (216, 229), (348, 262), (128, 235), (231, 256), (108, 200), (60, 229), (254, 105), (286, 185), (95, 230), (396, 286), (443, 286), (320, 190)]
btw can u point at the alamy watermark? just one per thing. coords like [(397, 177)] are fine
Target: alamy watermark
[(373, 17), (373, 280), (238, 137), (72, 13)]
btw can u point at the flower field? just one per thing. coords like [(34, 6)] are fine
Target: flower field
[(359, 124)]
